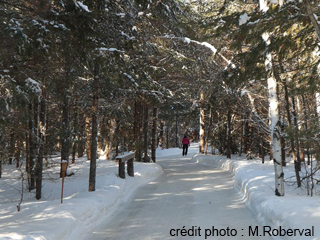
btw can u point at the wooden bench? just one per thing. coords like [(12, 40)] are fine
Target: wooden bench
[(122, 160)]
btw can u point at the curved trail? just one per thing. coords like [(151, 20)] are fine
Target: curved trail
[(187, 194)]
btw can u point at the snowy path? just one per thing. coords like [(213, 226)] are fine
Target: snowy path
[(187, 194)]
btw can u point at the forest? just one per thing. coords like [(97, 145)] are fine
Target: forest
[(111, 76)]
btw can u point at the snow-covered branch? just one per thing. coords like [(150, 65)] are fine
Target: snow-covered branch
[(109, 49), (205, 44)]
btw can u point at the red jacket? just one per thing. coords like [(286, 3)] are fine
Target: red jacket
[(185, 141)]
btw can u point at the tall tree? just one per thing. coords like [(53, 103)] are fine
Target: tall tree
[(95, 123)]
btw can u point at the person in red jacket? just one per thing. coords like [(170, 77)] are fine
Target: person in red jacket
[(185, 144)]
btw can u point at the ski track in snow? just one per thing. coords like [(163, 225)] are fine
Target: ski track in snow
[(187, 195)]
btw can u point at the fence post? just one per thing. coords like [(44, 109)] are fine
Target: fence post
[(122, 169), (130, 169)]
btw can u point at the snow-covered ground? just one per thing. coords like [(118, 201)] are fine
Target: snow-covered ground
[(82, 210), (255, 181), (187, 196)]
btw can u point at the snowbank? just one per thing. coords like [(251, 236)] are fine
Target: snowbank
[(81, 210), (255, 181)]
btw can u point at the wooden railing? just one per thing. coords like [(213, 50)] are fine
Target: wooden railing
[(122, 160)]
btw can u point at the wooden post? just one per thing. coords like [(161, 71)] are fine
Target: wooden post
[(122, 173), (130, 169)]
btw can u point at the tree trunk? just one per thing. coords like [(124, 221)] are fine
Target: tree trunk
[(46, 142), (74, 135), (275, 136), (88, 137), (177, 130), (81, 136), (209, 130), (12, 146), (32, 150), (296, 135), (107, 125), (137, 130), (36, 144), (42, 133), (247, 144), (262, 151), (317, 123), (154, 135), (282, 139), (167, 137), (229, 135), (115, 140), (95, 125), (220, 137), (64, 136), (241, 148), (145, 133), (292, 138), (18, 151), (117, 150), (274, 120), (283, 146), (100, 145), (27, 136), (141, 136), (202, 124), (161, 134), (306, 127)]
